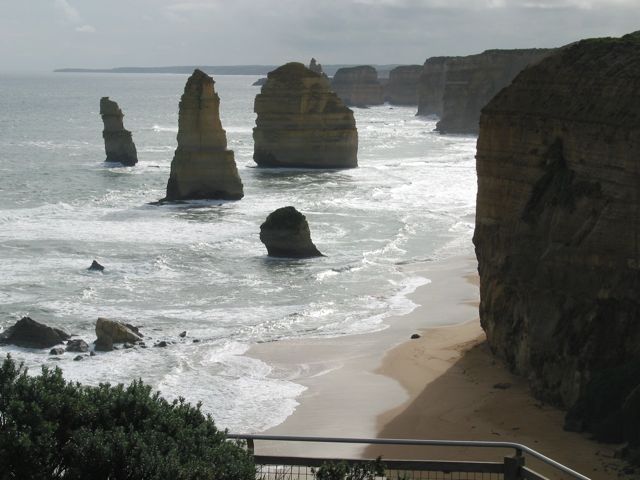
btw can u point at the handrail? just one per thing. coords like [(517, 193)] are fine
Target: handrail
[(518, 447)]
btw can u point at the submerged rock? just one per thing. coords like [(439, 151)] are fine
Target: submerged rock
[(402, 88), (77, 345), (202, 166), (557, 219), (95, 267), (358, 86), (286, 233), (118, 143), (302, 123), (110, 332), (57, 351), (31, 334)]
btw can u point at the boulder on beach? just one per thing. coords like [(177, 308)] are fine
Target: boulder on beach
[(118, 143), (110, 332), (202, 166), (301, 123), (286, 233), (31, 334)]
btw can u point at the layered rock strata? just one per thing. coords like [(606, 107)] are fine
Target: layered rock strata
[(202, 166), (402, 87), (558, 218), (302, 123), (358, 86), (286, 233), (431, 86), (118, 142)]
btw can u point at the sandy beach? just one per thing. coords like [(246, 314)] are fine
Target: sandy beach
[(443, 385)]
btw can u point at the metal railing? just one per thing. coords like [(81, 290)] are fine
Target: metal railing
[(272, 467)]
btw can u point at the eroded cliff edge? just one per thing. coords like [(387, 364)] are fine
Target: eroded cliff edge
[(558, 218)]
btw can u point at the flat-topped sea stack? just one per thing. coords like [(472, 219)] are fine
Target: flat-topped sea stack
[(286, 234), (472, 81), (402, 87), (118, 142), (431, 86), (301, 123), (558, 230), (202, 166), (358, 86)]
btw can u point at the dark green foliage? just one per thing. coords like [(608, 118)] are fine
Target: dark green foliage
[(51, 428), (345, 471)]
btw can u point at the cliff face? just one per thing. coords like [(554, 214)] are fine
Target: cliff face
[(202, 167), (402, 88), (472, 81), (302, 123), (118, 143), (358, 86), (558, 217), (431, 86)]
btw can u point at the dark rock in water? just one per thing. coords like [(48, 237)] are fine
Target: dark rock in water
[(31, 334), (557, 219), (92, 353), (301, 123), (56, 351), (183, 334), (127, 345), (196, 340), (118, 143), (285, 233), (78, 358), (161, 344), (104, 344), (259, 82), (95, 267), (110, 332), (202, 166), (415, 336), (77, 345), (134, 329)]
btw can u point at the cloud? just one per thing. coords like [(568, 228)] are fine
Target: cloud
[(71, 14), (86, 29)]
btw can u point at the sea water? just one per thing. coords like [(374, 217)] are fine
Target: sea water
[(200, 266)]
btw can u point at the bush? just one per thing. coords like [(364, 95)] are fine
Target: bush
[(54, 429), (345, 471)]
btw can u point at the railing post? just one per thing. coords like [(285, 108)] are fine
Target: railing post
[(250, 446), (513, 466)]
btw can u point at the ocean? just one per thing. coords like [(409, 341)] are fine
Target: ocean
[(200, 267)]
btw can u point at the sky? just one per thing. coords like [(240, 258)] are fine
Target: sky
[(41, 35)]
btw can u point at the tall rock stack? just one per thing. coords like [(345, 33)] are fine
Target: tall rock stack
[(202, 166), (558, 220), (302, 123), (358, 86), (402, 88), (315, 67), (472, 81), (431, 86), (118, 143)]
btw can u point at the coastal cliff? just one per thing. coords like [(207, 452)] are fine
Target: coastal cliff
[(302, 123), (358, 86), (402, 88), (558, 230), (202, 166), (431, 86), (118, 142)]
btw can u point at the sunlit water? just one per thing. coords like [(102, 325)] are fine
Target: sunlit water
[(200, 266)]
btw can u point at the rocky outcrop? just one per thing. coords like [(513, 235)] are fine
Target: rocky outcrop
[(431, 86), (558, 219), (402, 87), (358, 86), (31, 334), (302, 123), (285, 233), (95, 267), (110, 332), (315, 67), (77, 345), (118, 143), (202, 166), (260, 82)]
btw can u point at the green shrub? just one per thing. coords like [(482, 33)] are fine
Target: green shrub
[(344, 471), (54, 429)]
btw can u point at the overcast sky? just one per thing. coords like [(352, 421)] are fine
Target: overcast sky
[(47, 34)]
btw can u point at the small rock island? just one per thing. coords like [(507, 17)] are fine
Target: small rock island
[(118, 142), (202, 166), (286, 234), (301, 123)]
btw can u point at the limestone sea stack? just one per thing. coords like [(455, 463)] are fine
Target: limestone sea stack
[(302, 123), (558, 222), (285, 233), (202, 166), (118, 142), (402, 88), (358, 86), (431, 86)]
